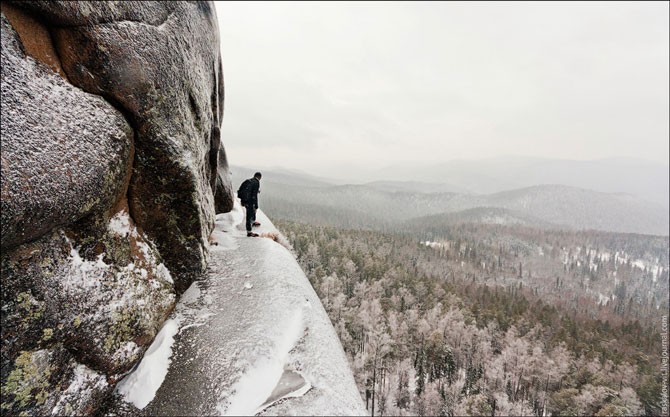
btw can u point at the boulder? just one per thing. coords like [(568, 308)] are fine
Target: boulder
[(112, 173), (65, 153), (158, 63)]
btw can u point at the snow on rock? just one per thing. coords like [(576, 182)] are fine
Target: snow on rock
[(259, 381), (220, 240), (141, 385), (190, 296), (84, 273), (228, 222), (102, 300), (163, 272), (267, 347), (223, 235), (81, 390), (79, 281), (120, 224), (291, 385)]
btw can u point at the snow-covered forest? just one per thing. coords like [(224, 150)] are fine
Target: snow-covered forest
[(494, 320)]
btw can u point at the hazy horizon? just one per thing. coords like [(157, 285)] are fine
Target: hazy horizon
[(642, 179), (315, 85), (340, 175)]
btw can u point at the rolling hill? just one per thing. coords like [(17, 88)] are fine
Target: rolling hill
[(388, 204)]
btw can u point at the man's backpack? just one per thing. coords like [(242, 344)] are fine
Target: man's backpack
[(243, 192)]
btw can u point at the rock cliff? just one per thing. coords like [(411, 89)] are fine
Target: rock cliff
[(112, 173)]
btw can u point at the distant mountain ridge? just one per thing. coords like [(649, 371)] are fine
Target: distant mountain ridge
[(480, 215), (416, 186), (645, 179), (389, 204)]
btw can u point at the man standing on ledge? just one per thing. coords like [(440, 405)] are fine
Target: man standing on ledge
[(248, 194)]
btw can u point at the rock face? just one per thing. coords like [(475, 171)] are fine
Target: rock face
[(172, 94), (112, 172), (65, 153)]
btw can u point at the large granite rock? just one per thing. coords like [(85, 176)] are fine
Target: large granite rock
[(66, 308), (65, 153), (112, 171), (159, 63)]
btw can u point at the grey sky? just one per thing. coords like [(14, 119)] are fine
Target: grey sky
[(312, 85)]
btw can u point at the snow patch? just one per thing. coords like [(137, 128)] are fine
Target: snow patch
[(291, 385), (87, 266), (191, 295), (258, 383), (84, 274), (228, 222), (146, 251), (432, 244), (141, 385), (221, 240), (163, 272), (199, 320), (126, 351), (120, 224)]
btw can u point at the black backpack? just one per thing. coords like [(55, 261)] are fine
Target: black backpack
[(243, 192)]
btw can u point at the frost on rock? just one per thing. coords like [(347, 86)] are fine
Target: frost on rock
[(83, 389), (126, 351), (120, 224), (130, 303), (64, 152)]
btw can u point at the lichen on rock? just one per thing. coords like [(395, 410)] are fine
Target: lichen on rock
[(112, 172), (51, 382)]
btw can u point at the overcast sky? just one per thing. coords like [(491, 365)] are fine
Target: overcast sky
[(314, 85)]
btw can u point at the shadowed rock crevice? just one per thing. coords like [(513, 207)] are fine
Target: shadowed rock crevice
[(36, 40), (223, 183)]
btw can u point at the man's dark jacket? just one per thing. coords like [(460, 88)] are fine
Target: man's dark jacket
[(252, 192)]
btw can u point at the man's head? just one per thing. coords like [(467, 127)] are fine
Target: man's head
[(257, 175)]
